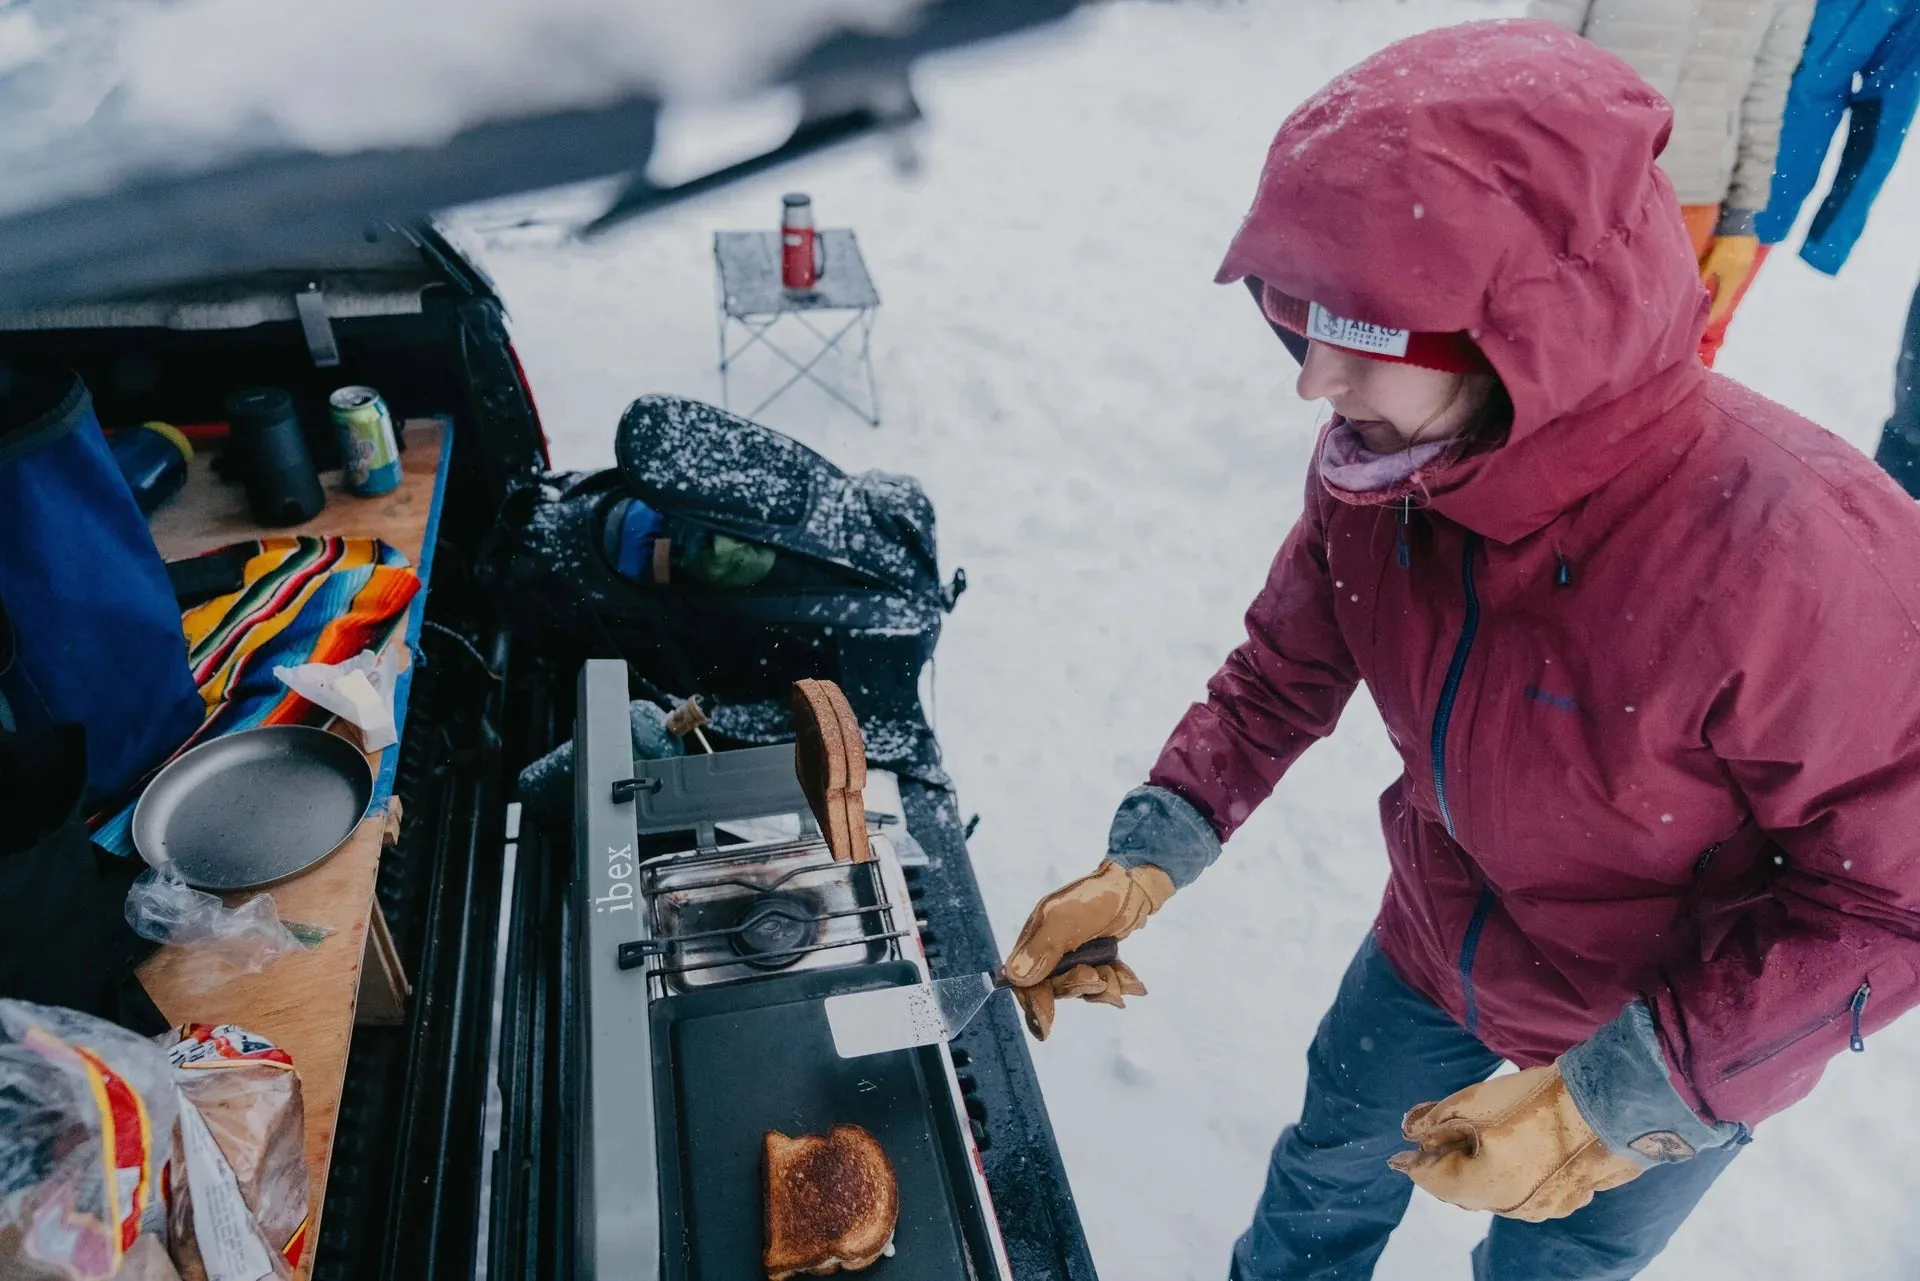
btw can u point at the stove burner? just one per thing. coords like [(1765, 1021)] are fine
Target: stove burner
[(775, 931)]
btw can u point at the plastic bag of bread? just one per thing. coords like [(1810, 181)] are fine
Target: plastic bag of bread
[(87, 1109), (238, 1205)]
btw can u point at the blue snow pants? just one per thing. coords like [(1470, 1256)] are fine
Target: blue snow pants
[(1331, 1200)]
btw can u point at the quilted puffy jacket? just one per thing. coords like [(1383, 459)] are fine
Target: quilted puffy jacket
[(1724, 64)]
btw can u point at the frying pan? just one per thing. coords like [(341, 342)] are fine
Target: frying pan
[(254, 807)]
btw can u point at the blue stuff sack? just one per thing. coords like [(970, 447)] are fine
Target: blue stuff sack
[(89, 628)]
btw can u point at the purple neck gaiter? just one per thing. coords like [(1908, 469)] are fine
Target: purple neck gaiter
[(1349, 468)]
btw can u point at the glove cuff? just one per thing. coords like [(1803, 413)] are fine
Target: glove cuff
[(1618, 1079), (1158, 828)]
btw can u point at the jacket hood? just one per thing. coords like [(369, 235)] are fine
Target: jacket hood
[(1498, 178)]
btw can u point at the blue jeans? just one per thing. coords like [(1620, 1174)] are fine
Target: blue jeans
[(1331, 1201)]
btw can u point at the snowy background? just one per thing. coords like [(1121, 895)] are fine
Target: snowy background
[(97, 91), (1115, 451)]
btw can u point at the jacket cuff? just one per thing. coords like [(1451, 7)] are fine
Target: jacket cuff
[(1823, 257), (1618, 1079), (1154, 825), (1735, 222)]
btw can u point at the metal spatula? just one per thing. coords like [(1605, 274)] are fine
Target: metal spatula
[(900, 1018)]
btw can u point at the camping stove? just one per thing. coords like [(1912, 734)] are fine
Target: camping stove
[(713, 921), (740, 914)]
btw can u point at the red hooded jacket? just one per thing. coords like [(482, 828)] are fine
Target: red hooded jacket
[(1652, 665)]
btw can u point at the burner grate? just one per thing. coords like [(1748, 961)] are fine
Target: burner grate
[(748, 914), (776, 929), (635, 954)]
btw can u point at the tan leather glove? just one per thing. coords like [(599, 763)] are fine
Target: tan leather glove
[(1111, 903), (1728, 263), (1515, 1145)]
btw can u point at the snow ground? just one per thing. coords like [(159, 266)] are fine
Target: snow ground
[(1115, 452)]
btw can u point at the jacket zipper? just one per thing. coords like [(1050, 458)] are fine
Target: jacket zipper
[(1697, 887), (1443, 714), (1468, 946), (1856, 1006), (1442, 719), (1706, 857)]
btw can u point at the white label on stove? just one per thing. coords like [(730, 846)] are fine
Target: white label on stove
[(619, 895)]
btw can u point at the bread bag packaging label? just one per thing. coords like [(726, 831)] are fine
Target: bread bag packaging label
[(241, 1211), (230, 1248)]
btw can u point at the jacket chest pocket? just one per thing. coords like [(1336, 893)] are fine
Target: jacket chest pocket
[(1379, 608), (1375, 597)]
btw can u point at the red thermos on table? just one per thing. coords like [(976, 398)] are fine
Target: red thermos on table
[(802, 256)]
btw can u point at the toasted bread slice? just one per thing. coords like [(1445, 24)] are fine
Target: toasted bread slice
[(831, 1202), (831, 760)]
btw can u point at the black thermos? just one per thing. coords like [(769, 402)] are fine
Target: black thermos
[(282, 486)]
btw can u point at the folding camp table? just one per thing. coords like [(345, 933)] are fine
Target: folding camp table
[(308, 1003), (747, 270)]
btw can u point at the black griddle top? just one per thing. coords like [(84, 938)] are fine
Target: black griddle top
[(737, 1061)]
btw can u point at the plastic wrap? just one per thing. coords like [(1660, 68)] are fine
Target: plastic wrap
[(165, 909), (87, 1109)]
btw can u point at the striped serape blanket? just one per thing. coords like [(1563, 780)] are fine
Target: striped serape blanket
[(303, 600)]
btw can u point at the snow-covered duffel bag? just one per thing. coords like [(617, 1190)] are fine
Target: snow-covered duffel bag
[(723, 558)]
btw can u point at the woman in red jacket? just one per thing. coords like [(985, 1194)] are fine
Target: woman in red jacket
[(1646, 643)]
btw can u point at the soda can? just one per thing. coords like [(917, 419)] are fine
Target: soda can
[(367, 444)]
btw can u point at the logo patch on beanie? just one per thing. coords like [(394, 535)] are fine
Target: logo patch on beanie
[(1356, 335)]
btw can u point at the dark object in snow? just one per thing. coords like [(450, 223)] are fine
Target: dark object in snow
[(851, 594), (1899, 450)]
